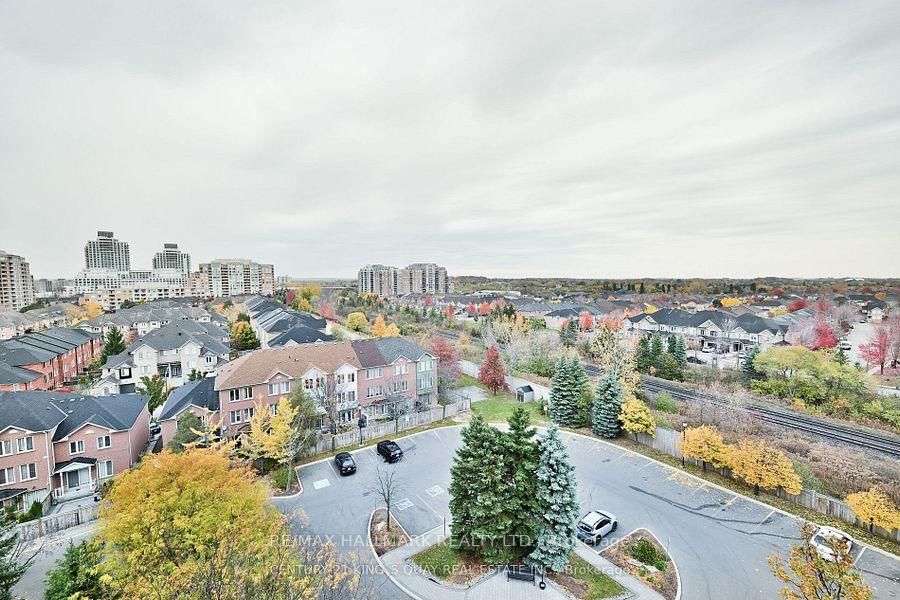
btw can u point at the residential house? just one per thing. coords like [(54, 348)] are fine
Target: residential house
[(54, 357), (275, 325), (61, 445), (376, 377), (713, 329), (199, 397), (173, 351)]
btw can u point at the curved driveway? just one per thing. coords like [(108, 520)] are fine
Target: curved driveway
[(719, 540)]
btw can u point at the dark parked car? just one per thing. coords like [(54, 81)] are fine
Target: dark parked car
[(155, 428), (345, 463), (390, 451)]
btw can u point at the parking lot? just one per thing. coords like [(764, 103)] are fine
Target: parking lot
[(719, 540)]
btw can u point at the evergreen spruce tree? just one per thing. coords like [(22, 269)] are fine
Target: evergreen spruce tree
[(656, 351), (113, 343), (607, 407), (558, 503), (644, 362), (670, 344), (840, 357), (747, 367), (564, 395), (680, 353), (479, 494), (521, 455), (569, 333), (584, 395)]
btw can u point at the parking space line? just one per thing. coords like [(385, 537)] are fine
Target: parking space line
[(431, 508), (860, 555), (649, 462), (404, 504), (766, 518), (617, 458)]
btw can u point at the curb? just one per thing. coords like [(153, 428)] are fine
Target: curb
[(381, 566), (658, 541)]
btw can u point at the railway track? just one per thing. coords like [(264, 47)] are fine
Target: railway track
[(791, 420)]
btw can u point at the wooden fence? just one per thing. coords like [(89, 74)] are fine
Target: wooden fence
[(380, 429), (57, 522), (667, 440)]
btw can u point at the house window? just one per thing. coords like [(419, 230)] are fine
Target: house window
[(106, 468), (401, 369), (339, 379), (27, 472), (248, 414), (240, 394), (103, 442), (373, 391), (351, 377), (25, 444), (424, 365), (273, 409), (209, 360), (7, 475), (285, 387), (76, 447), (124, 373), (273, 389), (401, 386), (235, 417), (373, 373), (5, 447)]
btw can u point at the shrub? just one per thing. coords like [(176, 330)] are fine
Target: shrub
[(36, 511), (646, 551), (666, 403), (280, 478)]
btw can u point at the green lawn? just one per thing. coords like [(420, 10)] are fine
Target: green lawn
[(440, 560), (497, 409), (600, 586)]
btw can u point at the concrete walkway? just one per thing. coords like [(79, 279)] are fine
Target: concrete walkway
[(492, 587)]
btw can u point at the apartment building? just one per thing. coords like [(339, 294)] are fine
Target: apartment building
[(375, 377), (171, 258), (62, 445), (172, 351), (417, 278), (237, 277), (107, 253), (16, 283), (48, 359)]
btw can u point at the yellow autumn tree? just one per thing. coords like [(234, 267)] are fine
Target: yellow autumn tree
[(705, 444), (876, 507), (650, 309), (809, 576), (193, 526), (730, 302), (636, 418), (357, 321), (763, 467), (379, 328), (76, 314), (92, 309)]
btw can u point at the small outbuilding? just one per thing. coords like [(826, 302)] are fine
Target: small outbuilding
[(525, 393)]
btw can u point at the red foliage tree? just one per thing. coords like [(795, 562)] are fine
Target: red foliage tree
[(326, 312), (824, 335), (585, 321), (612, 321), (822, 305), (471, 309), (427, 299), (501, 303), (777, 292), (797, 304), (492, 372), (448, 312), (876, 351), (484, 309), (289, 297), (448, 360)]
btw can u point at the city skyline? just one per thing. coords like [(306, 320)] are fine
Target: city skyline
[(603, 140)]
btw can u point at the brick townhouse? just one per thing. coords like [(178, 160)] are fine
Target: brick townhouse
[(375, 377), (46, 360), (61, 445)]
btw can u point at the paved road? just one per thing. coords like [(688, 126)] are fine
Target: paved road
[(32, 584), (719, 540)]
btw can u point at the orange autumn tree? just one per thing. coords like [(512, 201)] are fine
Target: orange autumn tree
[(380, 329), (705, 444), (191, 525)]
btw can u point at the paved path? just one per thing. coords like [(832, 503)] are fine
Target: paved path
[(492, 587), (32, 584), (636, 587), (540, 392)]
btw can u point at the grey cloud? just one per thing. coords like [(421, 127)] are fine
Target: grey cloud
[(601, 139)]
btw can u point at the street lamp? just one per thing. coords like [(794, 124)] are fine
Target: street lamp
[(683, 439)]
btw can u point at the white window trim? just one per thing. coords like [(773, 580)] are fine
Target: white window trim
[(76, 443)]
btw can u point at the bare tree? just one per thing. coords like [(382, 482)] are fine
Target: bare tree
[(387, 486), (331, 394), (728, 325)]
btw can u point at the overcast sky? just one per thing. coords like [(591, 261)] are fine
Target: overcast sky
[(598, 139)]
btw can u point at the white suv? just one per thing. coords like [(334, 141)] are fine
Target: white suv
[(594, 525), (826, 537)]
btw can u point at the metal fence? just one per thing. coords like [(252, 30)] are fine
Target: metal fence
[(380, 429), (57, 522), (666, 441)]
